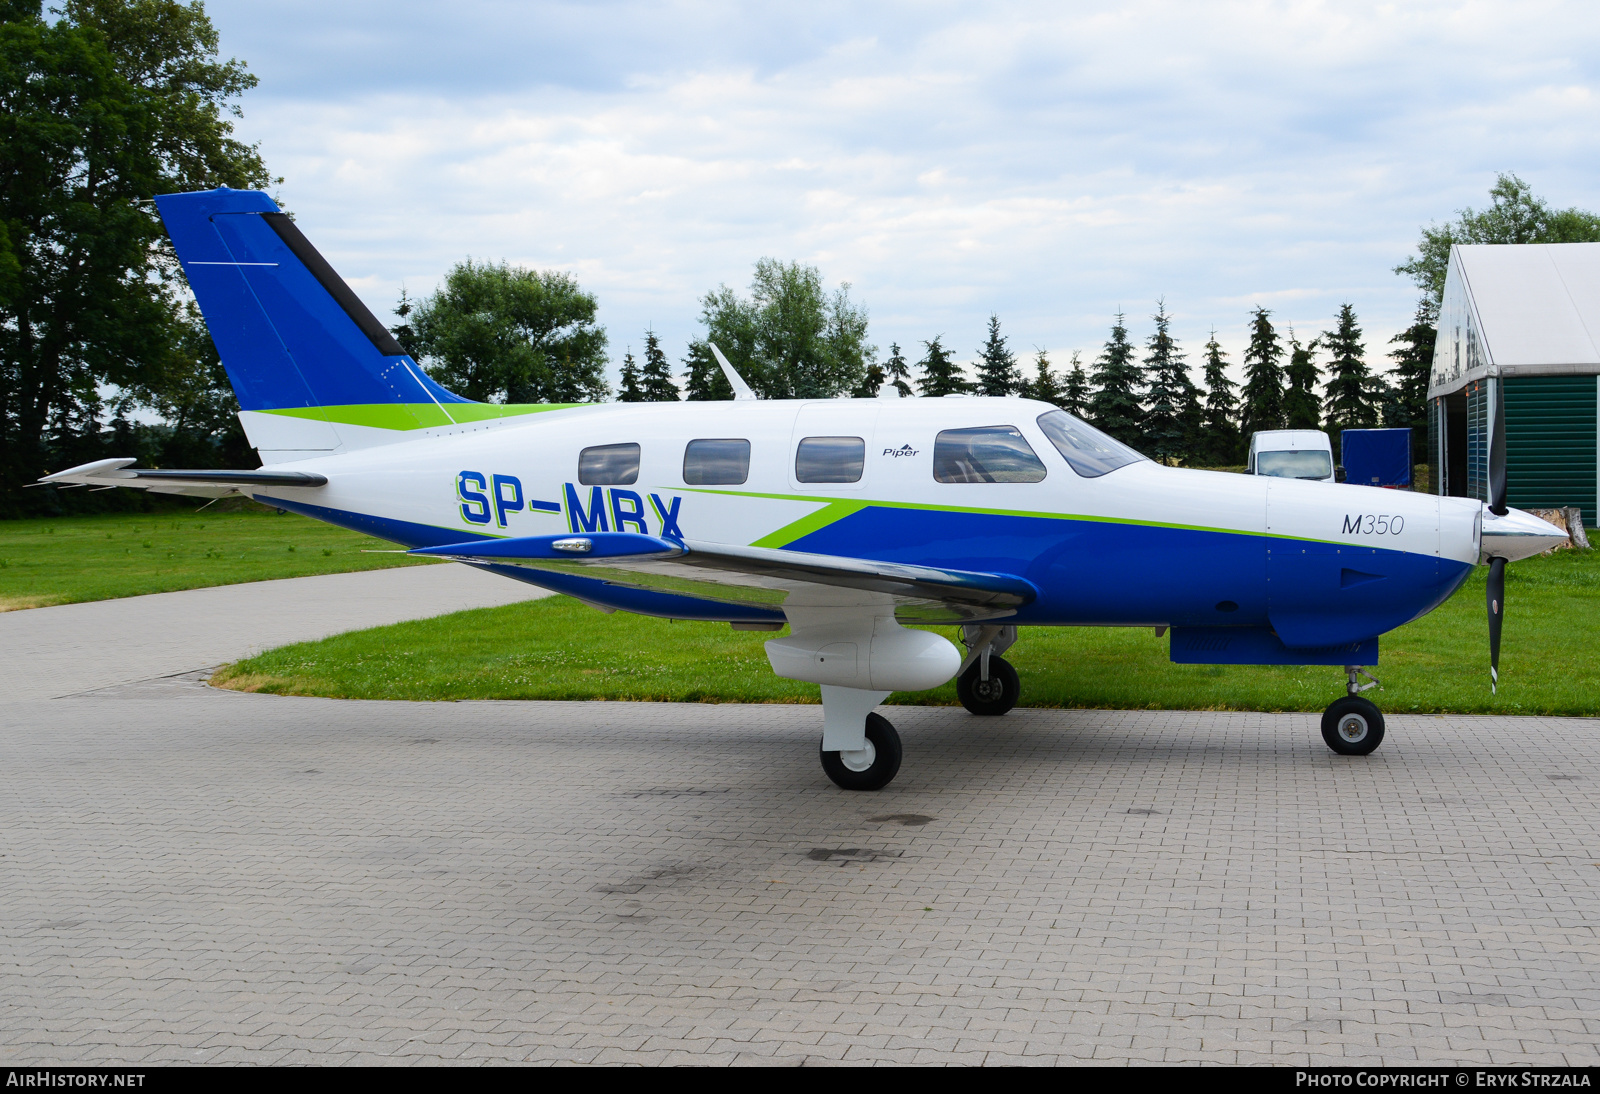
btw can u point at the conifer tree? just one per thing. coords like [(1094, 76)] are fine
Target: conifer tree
[(1167, 391), (1263, 377), (1075, 395), (1044, 386), (1114, 406), (1349, 387), (1413, 362), (998, 374), (941, 375), (1301, 407), (704, 380), (1220, 427), (631, 391), (656, 376), (897, 372)]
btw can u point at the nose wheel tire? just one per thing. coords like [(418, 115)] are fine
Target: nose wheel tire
[(1352, 726), (995, 695), (873, 767)]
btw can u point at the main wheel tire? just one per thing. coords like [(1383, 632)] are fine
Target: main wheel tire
[(1352, 726), (995, 695), (874, 766)]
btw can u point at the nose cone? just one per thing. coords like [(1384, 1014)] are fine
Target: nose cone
[(1517, 535)]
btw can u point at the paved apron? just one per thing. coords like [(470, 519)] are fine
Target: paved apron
[(197, 875)]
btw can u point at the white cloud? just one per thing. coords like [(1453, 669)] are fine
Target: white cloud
[(1049, 163)]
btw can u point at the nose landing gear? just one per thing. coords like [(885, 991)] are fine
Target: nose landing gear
[(1353, 726)]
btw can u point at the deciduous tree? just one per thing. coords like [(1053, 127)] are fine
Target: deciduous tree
[(103, 105), (502, 333)]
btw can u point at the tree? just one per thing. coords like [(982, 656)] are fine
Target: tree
[(1408, 407), (501, 333), (102, 106), (1263, 377), (1220, 430), (704, 380), (1514, 216), (1075, 395), (941, 375), (631, 391), (656, 376), (1301, 407), (1349, 387), (1044, 386), (998, 374), (897, 372), (1166, 393), (871, 383), (1114, 406), (790, 339)]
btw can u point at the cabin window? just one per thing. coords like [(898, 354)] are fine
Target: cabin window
[(723, 461), (830, 459), (1090, 452), (988, 453), (609, 465)]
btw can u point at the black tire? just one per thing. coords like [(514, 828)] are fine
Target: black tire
[(995, 695), (884, 743), (1352, 726)]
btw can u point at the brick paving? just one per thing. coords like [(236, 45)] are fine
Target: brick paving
[(201, 876)]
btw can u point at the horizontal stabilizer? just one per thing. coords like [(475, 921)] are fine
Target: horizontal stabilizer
[(198, 483)]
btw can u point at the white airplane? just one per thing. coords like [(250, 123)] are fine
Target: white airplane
[(843, 519)]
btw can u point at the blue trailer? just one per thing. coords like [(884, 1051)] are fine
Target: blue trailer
[(1376, 457)]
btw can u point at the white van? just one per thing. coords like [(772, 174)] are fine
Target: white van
[(1291, 454)]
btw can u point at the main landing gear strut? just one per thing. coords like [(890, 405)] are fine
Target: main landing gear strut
[(987, 684), (1353, 726)]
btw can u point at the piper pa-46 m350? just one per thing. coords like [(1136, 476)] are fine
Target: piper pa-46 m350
[(842, 519)]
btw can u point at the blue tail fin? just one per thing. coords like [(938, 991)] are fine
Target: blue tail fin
[(314, 369)]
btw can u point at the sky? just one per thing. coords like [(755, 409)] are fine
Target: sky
[(1049, 163)]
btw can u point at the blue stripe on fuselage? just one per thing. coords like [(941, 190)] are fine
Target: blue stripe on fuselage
[(1087, 572)]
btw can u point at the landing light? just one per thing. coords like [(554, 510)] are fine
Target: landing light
[(575, 546)]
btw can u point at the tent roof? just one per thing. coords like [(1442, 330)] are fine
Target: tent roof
[(1537, 303)]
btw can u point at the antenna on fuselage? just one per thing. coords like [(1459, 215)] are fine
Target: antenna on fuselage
[(741, 390)]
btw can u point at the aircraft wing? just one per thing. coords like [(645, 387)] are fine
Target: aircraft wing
[(755, 576), (105, 474)]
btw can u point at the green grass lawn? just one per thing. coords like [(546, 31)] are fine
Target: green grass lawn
[(69, 559), (560, 649)]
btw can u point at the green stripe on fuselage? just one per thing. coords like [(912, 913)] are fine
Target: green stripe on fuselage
[(417, 415), (835, 509)]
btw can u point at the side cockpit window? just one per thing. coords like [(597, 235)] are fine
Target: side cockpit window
[(987, 453), (830, 459), (609, 465), (1090, 452), (723, 461)]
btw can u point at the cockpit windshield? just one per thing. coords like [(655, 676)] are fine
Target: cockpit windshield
[(1090, 452)]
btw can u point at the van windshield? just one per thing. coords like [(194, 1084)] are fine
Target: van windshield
[(1295, 465)]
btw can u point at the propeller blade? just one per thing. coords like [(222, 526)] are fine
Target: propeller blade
[(1497, 613), (1497, 450)]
